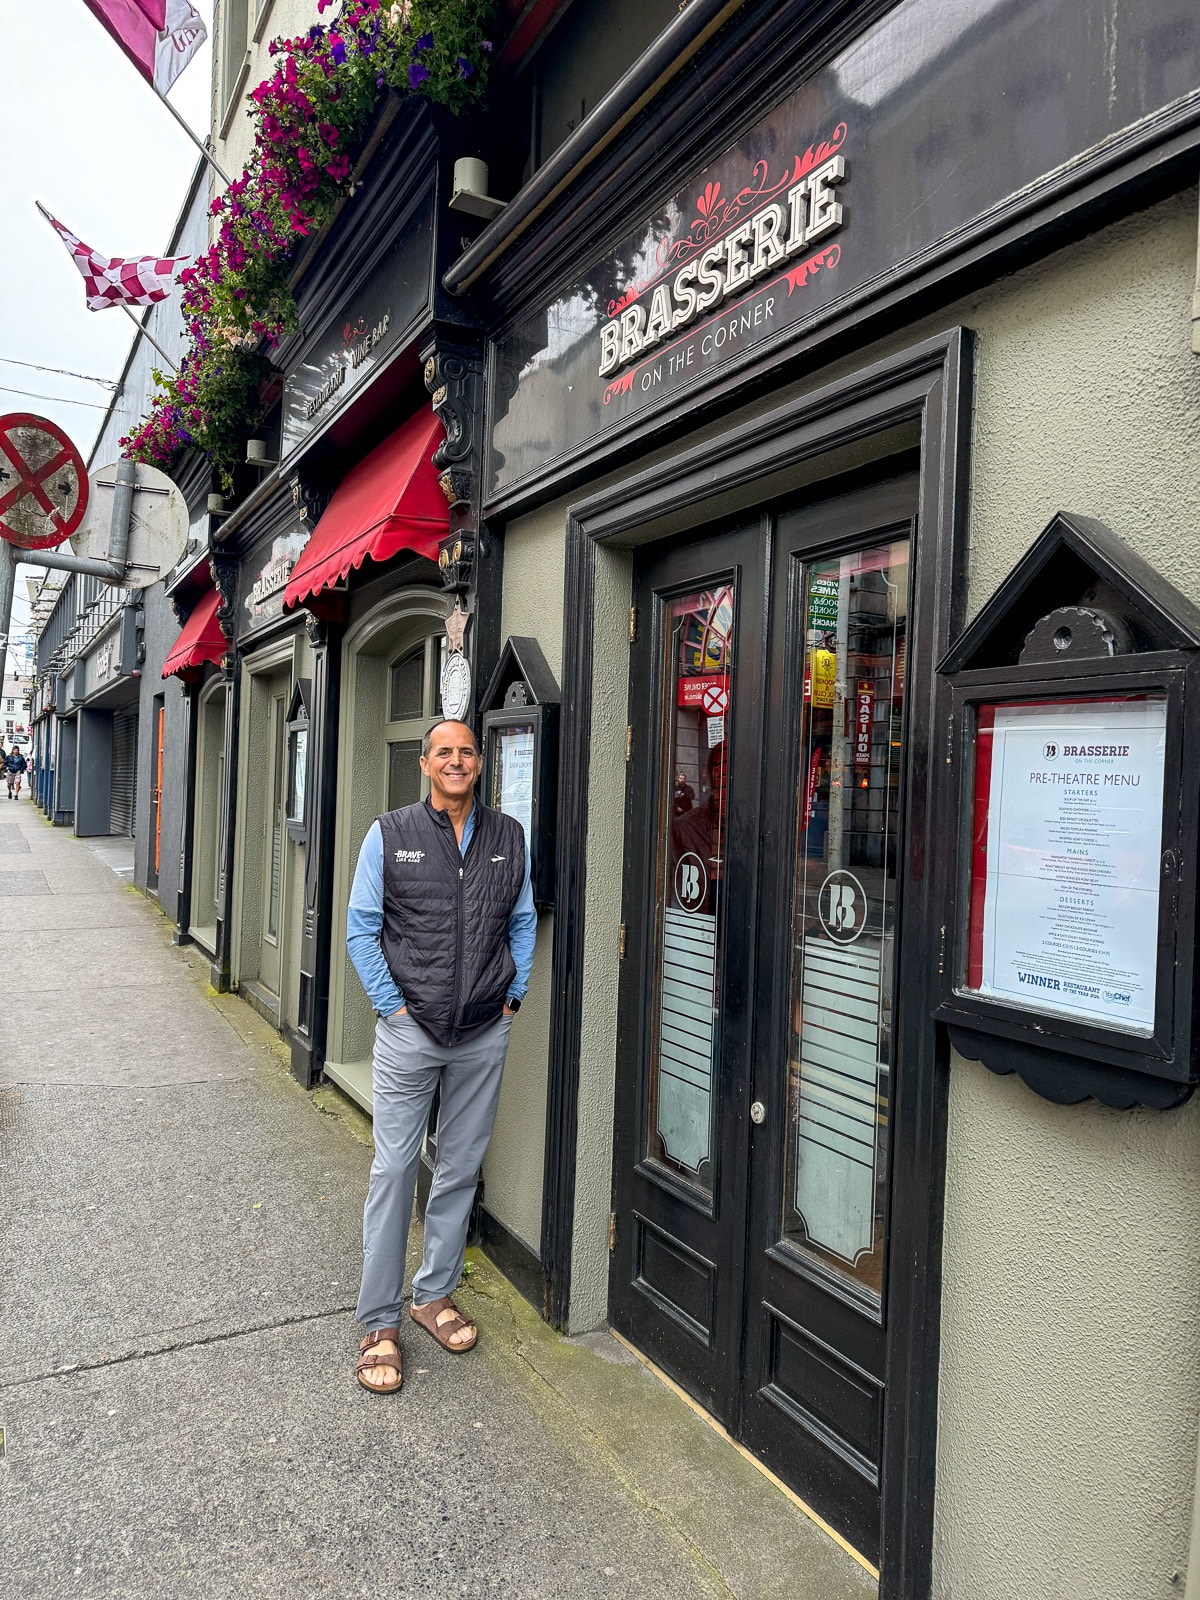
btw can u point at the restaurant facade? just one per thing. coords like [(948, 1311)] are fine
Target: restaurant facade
[(826, 336), (807, 443)]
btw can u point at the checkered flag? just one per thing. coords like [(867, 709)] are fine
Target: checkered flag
[(136, 281)]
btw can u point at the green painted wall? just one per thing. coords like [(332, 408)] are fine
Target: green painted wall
[(1071, 1285), (1070, 1384)]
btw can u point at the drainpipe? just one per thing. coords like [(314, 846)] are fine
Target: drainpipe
[(1196, 348)]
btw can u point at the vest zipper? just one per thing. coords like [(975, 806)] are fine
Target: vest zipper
[(458, 962)]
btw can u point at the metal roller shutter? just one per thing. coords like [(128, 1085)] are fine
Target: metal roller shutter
[(123, 802)]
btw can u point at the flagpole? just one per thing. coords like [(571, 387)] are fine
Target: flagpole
[(145, 332), (196, 140)]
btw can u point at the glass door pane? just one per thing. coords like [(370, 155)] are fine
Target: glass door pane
[(278, 758), (844, 910), (403, 773), (692, 788)]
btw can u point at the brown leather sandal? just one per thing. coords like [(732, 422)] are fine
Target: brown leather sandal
[(380, 1358), (434, 1320)]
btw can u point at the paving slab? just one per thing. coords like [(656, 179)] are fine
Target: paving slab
[(113, 956), (20, 885)]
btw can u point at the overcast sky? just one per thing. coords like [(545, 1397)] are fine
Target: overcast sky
[(89, 138)]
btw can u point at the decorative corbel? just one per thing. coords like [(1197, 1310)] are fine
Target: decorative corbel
[(309, 502), (223, 565), (454, 378)]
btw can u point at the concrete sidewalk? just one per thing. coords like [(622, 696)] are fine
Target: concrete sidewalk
[(179, 1256)]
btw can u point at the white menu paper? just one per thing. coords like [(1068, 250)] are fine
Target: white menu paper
[(1074, 839)]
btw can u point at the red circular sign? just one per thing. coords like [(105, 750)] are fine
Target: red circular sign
[(715, 699), (43, 482)]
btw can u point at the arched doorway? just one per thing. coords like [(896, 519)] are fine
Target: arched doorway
[(391, 671)]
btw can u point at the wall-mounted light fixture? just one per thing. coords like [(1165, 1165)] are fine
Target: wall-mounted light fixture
[(470, 189), (256, 454)]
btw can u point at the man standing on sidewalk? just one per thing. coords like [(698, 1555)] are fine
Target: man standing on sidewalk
[(440, 928)]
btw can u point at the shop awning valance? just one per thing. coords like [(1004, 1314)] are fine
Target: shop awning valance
[(390, 501), (200, 639)]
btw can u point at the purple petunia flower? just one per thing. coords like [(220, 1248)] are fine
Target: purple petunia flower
[(465, 69), (417, 75), (487, 45), (338, 51), (425, 42)]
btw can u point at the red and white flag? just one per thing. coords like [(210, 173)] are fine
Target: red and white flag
[(160, 37), (136, 281)]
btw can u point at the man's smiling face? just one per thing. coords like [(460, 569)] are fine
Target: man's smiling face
[(453, 763)]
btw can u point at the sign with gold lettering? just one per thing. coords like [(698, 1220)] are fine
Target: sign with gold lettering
[(350, 350)]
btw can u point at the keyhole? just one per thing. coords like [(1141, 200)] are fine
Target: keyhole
[(1062, 639)]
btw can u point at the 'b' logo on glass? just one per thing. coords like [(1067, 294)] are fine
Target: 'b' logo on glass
[(842, 906), (691, 882)]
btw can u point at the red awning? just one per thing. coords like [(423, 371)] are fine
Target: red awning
[(390, 501), (200, 639)]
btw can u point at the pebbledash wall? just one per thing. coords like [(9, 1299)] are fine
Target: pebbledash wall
[(1070, 1324)]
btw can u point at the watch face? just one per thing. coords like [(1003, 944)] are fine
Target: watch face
[(456, 686)]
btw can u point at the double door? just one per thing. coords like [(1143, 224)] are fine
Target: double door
[(761, 1024)]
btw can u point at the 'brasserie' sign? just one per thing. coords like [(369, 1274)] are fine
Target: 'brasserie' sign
[(721, 255), (924, 127)]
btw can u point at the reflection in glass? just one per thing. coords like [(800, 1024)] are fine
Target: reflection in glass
[(278, 758), (404, 773), (299, 774), (512, 774), (692, 793), (406, 686), (844, 908)]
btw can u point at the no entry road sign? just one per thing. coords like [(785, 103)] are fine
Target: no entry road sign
[(43, 482)]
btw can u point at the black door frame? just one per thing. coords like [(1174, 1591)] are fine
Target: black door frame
[(929, 384)]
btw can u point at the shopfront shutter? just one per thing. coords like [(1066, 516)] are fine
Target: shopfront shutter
[(124, 773)]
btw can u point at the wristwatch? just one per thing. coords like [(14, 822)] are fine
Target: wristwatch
[(513, 1005)]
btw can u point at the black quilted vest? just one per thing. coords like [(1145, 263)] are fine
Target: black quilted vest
[(445, 916)]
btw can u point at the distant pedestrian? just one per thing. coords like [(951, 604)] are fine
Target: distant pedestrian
[(15, 768), (440, 928)]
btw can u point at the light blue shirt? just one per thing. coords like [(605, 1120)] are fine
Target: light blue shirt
[(364, 923)]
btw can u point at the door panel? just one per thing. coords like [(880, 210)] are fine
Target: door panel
[(757, 1040), (680, 1185), (274, 865), (816, 1278)]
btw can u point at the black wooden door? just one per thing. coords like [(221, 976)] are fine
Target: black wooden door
[(827, 1040), (687, 978), (760, 1020)]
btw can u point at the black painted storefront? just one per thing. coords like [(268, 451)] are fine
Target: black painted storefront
[(379, 339), (1021, 129)]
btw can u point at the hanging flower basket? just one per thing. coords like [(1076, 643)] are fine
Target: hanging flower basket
[(310, 120)]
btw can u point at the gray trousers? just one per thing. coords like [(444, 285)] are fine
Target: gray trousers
[(406, 1069)]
